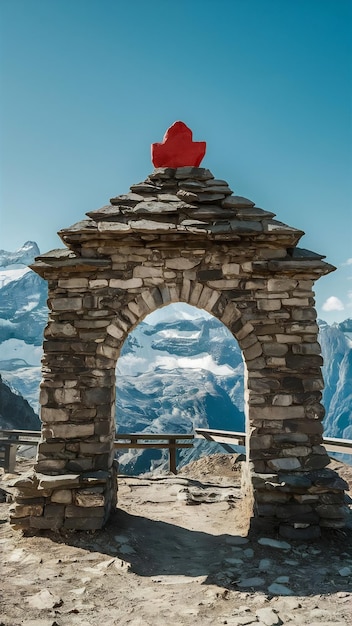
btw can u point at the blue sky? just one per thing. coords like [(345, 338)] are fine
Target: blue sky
[(88, 85)]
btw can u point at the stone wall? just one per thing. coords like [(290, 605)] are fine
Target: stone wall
[(181, 236)]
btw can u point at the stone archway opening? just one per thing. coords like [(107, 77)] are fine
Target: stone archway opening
[(182, 235), (180, 369)]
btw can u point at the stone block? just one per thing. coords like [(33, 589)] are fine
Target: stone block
[(265, 510), (331, 511), (315, 411), (181, 263), (296, 302), (299, 451), (246, 329), (115, 331), (46, 523), (282, 338), (80, 464), (274, 349), (86, 499), (50, 465), (63, 330), (54, 482), (296, 512), (331, 498), (262, 385), (277, 412), (282, 399), (62, 496), (152, 299), (272, 496), (315, 461), (252, 352), (69, 431), (231, 313), (290, 438), (332, 523), (211, 274), (212, 300), (307, 348), (256, 364), (308, 426), (269, 305), (98, 283), (54, 415), (281, 284), (26, 510), (304, 314), (289, 464), (275, 362), (260, 442), (64, 396), (81, 511), (73, 283), (225, 284), (195, 293), (66, 304), (54, 510), (125, 284), (96, 395), (313, 384), (231, 269)]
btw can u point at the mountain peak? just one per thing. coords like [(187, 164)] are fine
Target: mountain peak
[(25, 255)]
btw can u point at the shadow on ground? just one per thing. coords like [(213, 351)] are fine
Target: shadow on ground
[(161, 550)]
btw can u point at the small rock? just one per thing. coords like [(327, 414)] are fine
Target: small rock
[(249, 553), (265, 565), (126, 549), (276, 589), (287, 604), (44, 600), (345, 571), (122, 565), (256, 581), (268, 616), (121, 539), (282, 579), (231, 561), (274, 543)]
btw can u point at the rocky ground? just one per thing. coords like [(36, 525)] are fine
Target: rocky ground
[(176, 551)]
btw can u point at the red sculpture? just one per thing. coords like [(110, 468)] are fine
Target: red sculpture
[(177, 148)]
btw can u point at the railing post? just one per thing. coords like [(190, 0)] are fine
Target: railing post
[(172, 455), (10, 457)]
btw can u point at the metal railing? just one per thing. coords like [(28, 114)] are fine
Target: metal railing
[(10, 440), (331, 444)]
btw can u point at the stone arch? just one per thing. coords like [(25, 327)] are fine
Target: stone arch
[(181, 236)]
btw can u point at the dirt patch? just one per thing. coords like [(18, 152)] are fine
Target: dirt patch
[(174, 551)]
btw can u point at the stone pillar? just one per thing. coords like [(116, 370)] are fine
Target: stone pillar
[(74, 483), (287, 461)]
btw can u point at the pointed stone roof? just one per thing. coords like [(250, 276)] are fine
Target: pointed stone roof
[(186, 201), (178, 205)]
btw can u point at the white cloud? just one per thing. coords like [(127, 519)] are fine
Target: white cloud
[(333, 304), (348, 262)]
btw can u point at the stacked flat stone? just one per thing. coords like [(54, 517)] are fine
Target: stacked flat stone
[(182, 236)]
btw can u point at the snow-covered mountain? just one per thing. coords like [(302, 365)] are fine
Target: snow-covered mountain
[(179, 369), (23, 310)]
